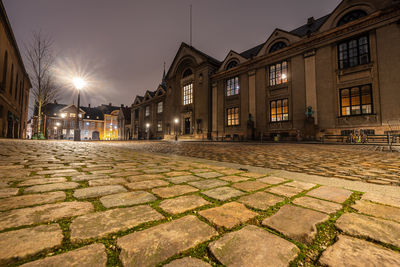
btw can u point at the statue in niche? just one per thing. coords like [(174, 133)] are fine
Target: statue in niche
[(250, 128)]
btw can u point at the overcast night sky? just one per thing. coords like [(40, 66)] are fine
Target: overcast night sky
[(122, 44)]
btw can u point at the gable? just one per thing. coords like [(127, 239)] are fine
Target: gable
[(232, 56), (71, 109), (278, 36), (347, 6)]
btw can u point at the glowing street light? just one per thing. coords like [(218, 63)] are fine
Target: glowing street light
[(176, 120), (147, 130), (58, 124), (79, 83)]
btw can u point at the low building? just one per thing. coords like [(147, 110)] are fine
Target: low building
[(14, 83)]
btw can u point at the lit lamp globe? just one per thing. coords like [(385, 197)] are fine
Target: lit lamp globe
[(79, 83)]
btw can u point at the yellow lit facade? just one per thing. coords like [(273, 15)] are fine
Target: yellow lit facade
[(111, 126)]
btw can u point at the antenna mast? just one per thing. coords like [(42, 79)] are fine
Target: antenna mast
[(190, 24)]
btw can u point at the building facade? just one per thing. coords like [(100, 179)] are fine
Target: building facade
[(14, 83), (124, 123), (333, 75), (95, 123)]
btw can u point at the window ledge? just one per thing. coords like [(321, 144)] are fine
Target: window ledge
[(277, 87), (354, 69)]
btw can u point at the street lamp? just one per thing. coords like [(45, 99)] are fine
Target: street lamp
[(79, 83), (147, 130), (176, 132)]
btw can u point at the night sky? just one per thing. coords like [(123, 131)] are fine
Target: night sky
[(121, 45)]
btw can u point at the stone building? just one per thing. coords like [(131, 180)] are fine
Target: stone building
[(124, 123), (14, 83), (333, 75)]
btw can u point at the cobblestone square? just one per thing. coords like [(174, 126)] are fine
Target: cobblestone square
[(68, 203)]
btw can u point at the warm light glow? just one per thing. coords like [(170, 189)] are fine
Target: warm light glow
[(147, 125), (284, 76), (176, 121), (58, 124), (80, 115), (63, 115), (78, 82), (55, 128)]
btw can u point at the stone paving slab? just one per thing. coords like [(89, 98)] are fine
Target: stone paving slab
[(183, 179), (223, 193), (348, 251), (154, 245), (144, 177), (318, 204), (296, 223), (253, 246), (177, 173), (272, 180), (8, 192), (107, 181), (209, 183), (89, 256), (187, 262), (377, 210), (234, 178), (98, 191), (88, 177), (182, 204), (249, 186), (253, 175), (100, 224), (208, 175), (44, 213), (284, 190), (173, 191), (39, 181), (301, 185), (30, 200), (51, 187), (331, 193), (228, 215), (146, 184), (377, 229), (383, 199), (260, 200), (127, 199), (19, 244)]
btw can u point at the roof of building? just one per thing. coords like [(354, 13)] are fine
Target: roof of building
[(311, 27), (252, 51), (107, 109), (53, 108), (93, 113)]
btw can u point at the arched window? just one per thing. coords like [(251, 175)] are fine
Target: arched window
[(351, 16), (187, 73), (11, 78), (277, 46), (231, 65), (5, 63)]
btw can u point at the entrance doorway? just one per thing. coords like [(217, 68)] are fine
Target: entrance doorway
[(95, 135), (187, 125)]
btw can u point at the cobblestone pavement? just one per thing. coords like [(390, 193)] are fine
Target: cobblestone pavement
[(356, 163), (98, 204)]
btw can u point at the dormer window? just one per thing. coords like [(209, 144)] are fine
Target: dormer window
[(277, 46), (187, 73), (231, 65), (351, 16)]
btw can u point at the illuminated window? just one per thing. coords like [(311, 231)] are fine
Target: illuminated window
[(278, 73), (353, 52), (160, 107), (159, 126), (356, 100), (72, 115), (232, 115), (71, 132), (232, 86), (279, 110), (188, 94), (86, 132), (147, 111)]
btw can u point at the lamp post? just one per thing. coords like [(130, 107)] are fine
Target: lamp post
[(56, 128), (147, 130), (176, 121), (79, 83)]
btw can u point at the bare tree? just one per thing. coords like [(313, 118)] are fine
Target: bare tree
[(40, 58)]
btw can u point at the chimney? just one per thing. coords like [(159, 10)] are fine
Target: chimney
[(89, 105), (122, 105), (55, 101), (110, 104), (310, 21)]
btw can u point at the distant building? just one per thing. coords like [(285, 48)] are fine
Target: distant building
[(334, 75), (95, 123), (14, 83), (124, 123)]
